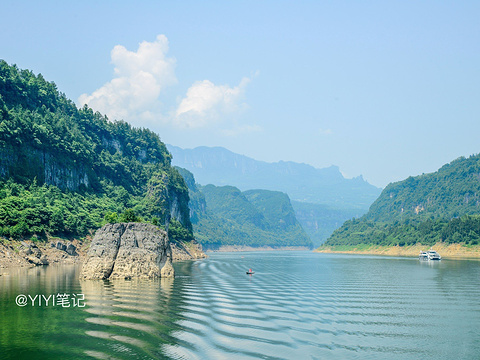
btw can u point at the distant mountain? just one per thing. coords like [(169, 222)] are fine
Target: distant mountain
[(440, 206), (302, 182), (224, 215), (319, 221)]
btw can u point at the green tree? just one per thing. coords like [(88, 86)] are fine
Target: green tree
[(129, 216)]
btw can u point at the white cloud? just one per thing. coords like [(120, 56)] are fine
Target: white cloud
[(206, 103), (135, 93), (140, 77)]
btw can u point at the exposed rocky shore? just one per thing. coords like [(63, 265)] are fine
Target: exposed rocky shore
[(187, 250), (29, 253), (59, 251)]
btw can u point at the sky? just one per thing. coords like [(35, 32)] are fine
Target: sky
[(383, 89)]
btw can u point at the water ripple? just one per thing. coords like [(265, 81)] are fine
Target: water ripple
[(295, 306)]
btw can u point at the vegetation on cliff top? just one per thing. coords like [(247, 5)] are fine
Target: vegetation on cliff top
[(66, 171), (443, 206)]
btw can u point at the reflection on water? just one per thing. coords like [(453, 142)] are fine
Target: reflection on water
[(133, 315), (37, 331), (297, 305)]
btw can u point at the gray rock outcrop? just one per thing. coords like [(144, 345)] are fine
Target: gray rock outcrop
[(187, 250), (33, 254), (71, 250), (128, 250)]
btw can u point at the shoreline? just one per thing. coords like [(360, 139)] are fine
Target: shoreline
[(28, 253), (244, 248), (446, 251)]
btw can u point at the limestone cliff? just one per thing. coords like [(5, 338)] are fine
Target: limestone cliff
[(27, 162), (128, 250)]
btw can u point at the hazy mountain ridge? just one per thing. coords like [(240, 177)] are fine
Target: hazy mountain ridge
[(302, 182), (322, 198), (319, 221)]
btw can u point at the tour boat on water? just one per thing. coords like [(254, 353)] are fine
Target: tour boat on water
[(429, 255), (433, 255), (423, 255)]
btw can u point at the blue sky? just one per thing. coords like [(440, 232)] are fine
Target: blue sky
[(386, 89)]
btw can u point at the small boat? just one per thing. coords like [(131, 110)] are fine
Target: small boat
[(429, 255), (423, 255), (250, 272), (433, 255)]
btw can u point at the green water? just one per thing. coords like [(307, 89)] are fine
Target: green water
[(297, 305)]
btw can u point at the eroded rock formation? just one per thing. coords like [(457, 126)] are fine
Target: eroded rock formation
[(128, 250)]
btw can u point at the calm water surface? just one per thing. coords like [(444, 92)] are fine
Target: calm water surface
[(297, 305)]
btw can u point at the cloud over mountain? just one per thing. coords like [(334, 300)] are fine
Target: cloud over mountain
[(206, 102), (135, 92), (140, 77)]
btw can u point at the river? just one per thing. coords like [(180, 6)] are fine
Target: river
[(297, 305)]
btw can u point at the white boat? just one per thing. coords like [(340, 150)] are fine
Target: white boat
[(423, 255), (429, 255), (433, 255)]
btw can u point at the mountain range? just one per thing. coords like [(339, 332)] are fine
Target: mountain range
[(322, 198), (66, 171), (302, 182)]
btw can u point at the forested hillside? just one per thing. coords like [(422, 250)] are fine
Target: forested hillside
[(65, 171), (441, 206), (224, 215)]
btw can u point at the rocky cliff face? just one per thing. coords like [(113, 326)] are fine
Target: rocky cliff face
[(128, 250), (28, 162)]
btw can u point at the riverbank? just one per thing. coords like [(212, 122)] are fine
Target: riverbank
[(28, 253), (448, 251), (187, 250), (235, 248)]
